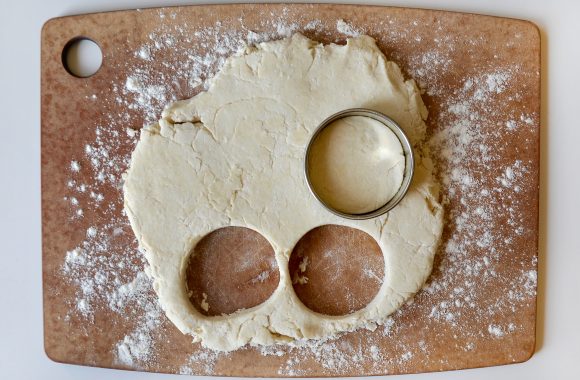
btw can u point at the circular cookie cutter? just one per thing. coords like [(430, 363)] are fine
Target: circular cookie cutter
[(407, 151)]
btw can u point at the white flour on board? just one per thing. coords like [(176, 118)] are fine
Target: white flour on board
[(110, 276), (347, 29)]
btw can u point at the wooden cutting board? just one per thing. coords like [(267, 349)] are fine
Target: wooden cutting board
[(481, 81)]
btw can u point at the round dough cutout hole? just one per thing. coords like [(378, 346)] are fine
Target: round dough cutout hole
[(231, 268), (82, 57), (336, 270)]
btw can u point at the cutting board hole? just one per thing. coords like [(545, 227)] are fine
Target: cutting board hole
[(231, 268), (336, 270), (82, 57)]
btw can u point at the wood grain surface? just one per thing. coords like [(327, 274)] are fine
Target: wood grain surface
[(440, 50)]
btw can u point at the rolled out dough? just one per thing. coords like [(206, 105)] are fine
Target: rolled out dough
[(233, 156)]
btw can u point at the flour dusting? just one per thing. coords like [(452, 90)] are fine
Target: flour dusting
[(347, 29)]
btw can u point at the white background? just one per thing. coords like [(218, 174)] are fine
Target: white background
[(21, 348)]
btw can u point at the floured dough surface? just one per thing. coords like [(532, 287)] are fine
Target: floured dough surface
[(356, 164), (233, 156)]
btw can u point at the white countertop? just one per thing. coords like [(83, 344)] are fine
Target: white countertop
[(21, 341)]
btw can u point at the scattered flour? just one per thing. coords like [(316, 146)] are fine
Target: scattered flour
[(205, 359), (496, 331), (74, 166), (347, 29), (144, 53)]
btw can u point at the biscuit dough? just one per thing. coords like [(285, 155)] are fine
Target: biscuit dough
[(233, 156)]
